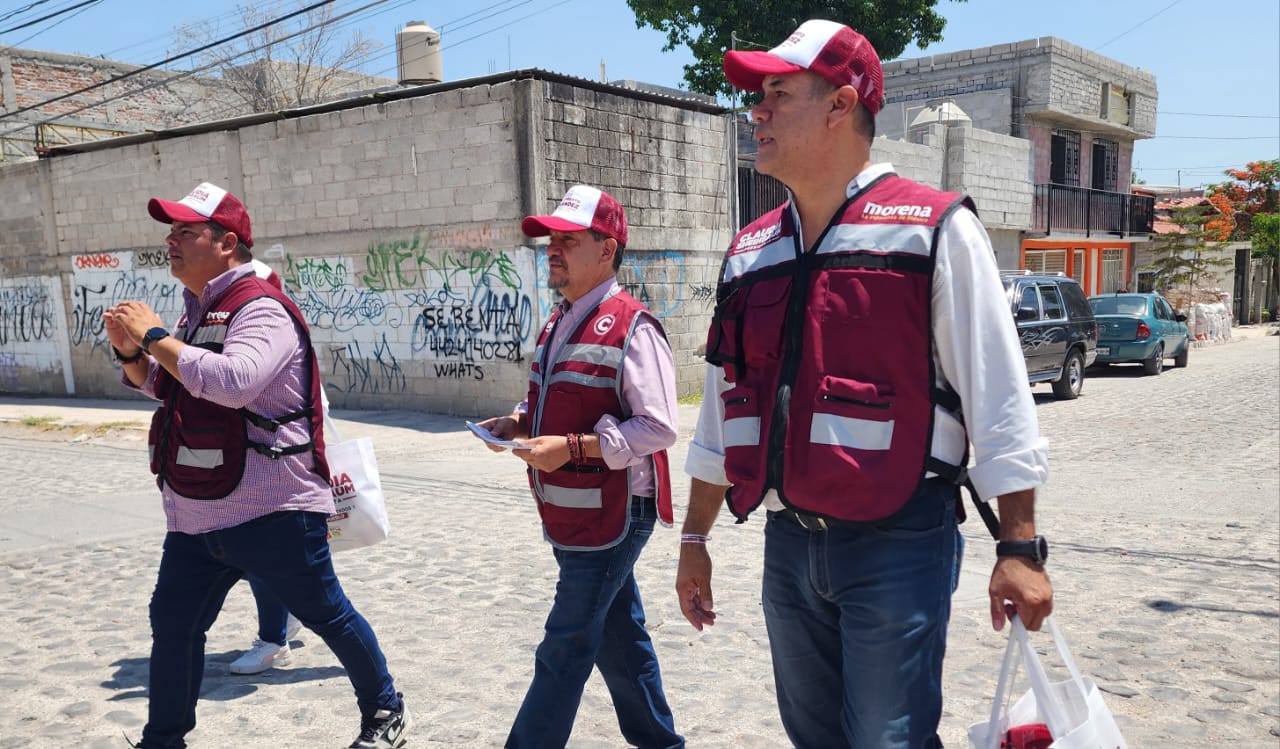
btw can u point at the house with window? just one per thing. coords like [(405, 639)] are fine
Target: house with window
[(1080, 111)]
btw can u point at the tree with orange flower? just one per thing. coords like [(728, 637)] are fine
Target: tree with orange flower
[(1249, 207)]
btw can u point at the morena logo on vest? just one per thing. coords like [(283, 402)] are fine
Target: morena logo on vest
[(604, 324), (877, 211), (217, 318)]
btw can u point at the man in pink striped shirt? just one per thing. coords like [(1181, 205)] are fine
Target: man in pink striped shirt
[(238, 452)]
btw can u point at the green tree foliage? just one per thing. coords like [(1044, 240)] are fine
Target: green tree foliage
[(1184, 256), (706, 27), (1266, 235)]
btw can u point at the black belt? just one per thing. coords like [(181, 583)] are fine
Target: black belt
[(808, 522)]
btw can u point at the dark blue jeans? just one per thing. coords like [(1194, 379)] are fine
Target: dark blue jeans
[(273, 617), (857, 620), (598, 618), (289, 553)]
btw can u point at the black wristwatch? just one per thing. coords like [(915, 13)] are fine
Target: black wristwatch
[(1035, 548), (152, 336)]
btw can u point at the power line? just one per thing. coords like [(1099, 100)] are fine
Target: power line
[(51, 26), (1135, 26), (1217, 137), (55, 14), (213, 64), (1214, 114), (22, 10), (489, 31), (166, 61)]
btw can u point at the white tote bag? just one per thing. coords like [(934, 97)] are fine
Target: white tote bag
[(360, 511), (1073, 710)]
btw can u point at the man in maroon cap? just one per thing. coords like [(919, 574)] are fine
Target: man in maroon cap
[(238, 453), (861, 338), (600, 415)]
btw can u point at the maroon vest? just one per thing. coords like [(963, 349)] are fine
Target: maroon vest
[(199, 447), (829, 355), (587, 507)]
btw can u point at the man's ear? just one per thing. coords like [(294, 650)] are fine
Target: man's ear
[(229, 242), (843, 102), (611, 245)]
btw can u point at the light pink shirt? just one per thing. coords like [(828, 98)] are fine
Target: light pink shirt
[(262, 367), (648, 388)]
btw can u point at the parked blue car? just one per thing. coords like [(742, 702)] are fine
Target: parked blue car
[(1140, 328)]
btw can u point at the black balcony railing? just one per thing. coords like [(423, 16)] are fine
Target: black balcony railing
[(1062, 208)]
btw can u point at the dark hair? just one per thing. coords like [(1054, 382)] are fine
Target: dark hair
[(600, 236), (218, 231)]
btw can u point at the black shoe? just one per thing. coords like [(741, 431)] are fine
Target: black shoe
[(385, 729)]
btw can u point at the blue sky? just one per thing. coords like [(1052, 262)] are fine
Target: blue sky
[(1217, 65)]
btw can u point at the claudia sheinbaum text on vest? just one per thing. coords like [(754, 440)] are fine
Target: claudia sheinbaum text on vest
[(239, 459), (859, 331), (596, 425)]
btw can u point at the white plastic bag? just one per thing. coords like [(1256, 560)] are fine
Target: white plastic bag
[(1073, 709), (360, 510)]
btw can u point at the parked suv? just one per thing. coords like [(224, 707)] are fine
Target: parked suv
[(1056, 325)]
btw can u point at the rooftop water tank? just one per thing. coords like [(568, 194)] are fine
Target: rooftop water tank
[(418, 54)]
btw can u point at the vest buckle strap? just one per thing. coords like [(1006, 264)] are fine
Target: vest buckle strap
[(811, 523)]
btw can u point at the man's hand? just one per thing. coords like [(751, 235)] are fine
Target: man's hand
[(693, 585), (503, 427), (1019, 586), (545, 453), (128, 322)]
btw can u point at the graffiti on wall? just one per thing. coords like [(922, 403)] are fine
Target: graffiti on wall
[(26, 314), (448, 311), (101, 280), (33, 334)]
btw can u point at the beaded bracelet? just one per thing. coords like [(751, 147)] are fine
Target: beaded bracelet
[(693, 538), (575, 448)]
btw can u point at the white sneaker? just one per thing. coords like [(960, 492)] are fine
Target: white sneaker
[(259, 658), (291, 628)]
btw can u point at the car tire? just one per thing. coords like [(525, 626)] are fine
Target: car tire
[(1067, 387), (1181, 359), (1155, 365)]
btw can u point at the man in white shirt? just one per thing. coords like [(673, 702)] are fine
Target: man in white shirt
[(860, 340)]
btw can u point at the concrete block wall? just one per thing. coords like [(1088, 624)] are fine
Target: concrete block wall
[(1075, 78), (988, 110), (994, 170), (920, 162), (395, 227), (669, 169), (1046, 75)]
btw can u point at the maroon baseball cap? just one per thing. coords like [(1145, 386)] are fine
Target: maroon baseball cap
[(581, 208), (205, 202), (832, 50)]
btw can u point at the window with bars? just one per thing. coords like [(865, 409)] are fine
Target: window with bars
[(1064, 158), (1046, 261), (1106, 165), (1112, 272)]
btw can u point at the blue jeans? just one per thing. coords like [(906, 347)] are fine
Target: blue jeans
[(289, 553), (857, 620), (273, 616), (598, 618)]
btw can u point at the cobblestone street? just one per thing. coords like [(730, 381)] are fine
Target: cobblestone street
[(1162, 511)]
